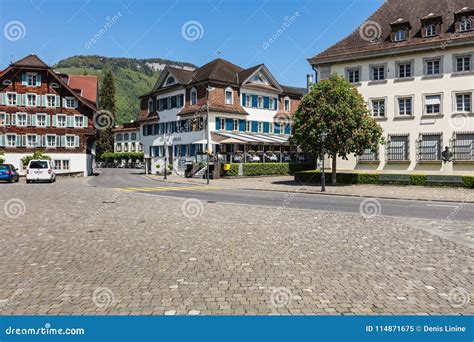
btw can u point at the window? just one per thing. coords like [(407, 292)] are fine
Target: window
[(405, 70), (378, 73), (286, 104), (369, 155), (150, 105), (134, 136), (125, 147), (118, 137), (228, 96), (31, 140), (132, 147), (21, 120), (378, 108), (433, 104), (405, 106), (429, 147), (464, 146), (11, 140), (400, 35), (222, 123), (61, 164), (31, 79), (50, 141), (247, 126), (466, 24), (235, 125), (70, 102), (193, 96), (398, 148), (248, 100), (170, 80), (353, 75), (78, 121), (3, 119), (61, 121), (118, 147), (431, 30), (51, 101), (463, 63), (70, 141), (41, 120), (260, 127), (31, 100), (271, 103), (260, 102), (463, 103), (433, 67), (11, 99)]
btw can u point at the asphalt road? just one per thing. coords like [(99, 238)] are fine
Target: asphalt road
[(127, 178)]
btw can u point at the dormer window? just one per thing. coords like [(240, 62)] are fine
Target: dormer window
[(466, 24), (259, 78), (287, 104), (193, 96), (170, 80), (400, 35), (431, 30), (229, 98)]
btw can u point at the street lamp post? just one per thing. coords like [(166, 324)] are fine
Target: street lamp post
[(208, 133), (322, 138), (166, 157)]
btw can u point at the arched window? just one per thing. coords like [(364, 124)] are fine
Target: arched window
[(229, 97), (170, 80), (400, 35), (431, 30), (466, 24), (150, 105), (193, 96)]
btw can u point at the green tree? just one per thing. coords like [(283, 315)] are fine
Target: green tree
[(336, 108), (35, 156), (105, 139), (2, 158)]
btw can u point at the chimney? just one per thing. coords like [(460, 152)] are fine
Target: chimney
[(309, 81)]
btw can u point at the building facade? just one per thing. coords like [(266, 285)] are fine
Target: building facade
[(39, 111), (127, 138), (413, 61), (249, 115)]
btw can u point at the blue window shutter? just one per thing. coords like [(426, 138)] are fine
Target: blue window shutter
[(266, 127), (218, 123), (229, 124), (276, 103), (254, 101), (193, 150), (244, 99), (255, 126), (183, 150), (242, 125), (266, 102), (276, 128), (287, 129)]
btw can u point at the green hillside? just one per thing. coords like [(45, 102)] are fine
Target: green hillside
[(133, 77)]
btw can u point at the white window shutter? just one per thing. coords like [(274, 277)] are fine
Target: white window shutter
[(55, 123), (38, 100), (7, 119), (38, 80), (18, 140), (63, 141), (2, 140), (28, 119), (33, 120), (70, 121), (18, 99), (23, 100), (13, 119), (58, 101), (76, 141), (1, 99), (23, 140), (85, 121), (58, 141)]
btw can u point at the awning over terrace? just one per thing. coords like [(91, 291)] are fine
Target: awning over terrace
[(250, 139)]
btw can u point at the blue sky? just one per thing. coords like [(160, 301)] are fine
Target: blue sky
[(241, 30)]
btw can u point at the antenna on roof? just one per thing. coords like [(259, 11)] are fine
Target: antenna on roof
[(11, 59), (218, 54)]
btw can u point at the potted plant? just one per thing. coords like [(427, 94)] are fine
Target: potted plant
[(158, 167), (170, 168)]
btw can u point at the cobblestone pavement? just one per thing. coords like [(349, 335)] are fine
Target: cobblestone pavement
[(287, 183), (69, 248)]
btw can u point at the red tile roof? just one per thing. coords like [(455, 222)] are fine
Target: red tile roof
[(87, 85)]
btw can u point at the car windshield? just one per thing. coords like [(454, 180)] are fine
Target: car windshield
[(4, 167), (38, 164)]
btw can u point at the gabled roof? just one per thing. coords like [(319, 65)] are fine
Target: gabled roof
[(218, 70), (87, 84), (357, 45), (182, 76), (273, 83), (31, 61)]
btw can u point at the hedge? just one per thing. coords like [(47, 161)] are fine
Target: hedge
[(268, 169), (110, 156), (314, 176)]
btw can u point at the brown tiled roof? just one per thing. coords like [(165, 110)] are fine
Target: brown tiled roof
[(87, 84), (293, 90), (182, 75), (246, 73), (232, 109), (217, 70), (130, 126), (354, 45), (30, 61), (258, 86)]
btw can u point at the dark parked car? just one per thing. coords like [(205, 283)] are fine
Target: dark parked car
[(9, 173)]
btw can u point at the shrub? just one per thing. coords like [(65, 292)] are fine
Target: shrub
[(37, 155), (268, 169), (2, 159), (111, 156), (468, 181), (418, 179)]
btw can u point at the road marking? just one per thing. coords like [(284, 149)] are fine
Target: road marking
[(170, 188), (442, 205)]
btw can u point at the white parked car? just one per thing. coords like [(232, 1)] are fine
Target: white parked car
[(272, 158), (40, 170)]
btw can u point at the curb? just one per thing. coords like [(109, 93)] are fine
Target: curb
[(330, 194)]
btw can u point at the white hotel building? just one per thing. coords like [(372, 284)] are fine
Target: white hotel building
[(413, 61)]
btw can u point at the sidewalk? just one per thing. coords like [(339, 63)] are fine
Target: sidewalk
[(287, 184)]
